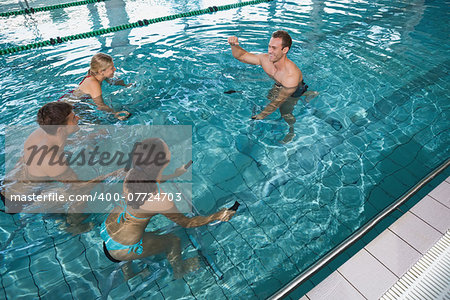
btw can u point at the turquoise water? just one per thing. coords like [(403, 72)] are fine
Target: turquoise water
[(379, 124)]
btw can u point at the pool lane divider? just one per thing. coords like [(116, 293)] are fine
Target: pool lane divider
[(140, 23), (31, 10)]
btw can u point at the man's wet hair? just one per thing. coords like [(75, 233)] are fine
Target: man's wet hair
[(53, 113), (286, 40)]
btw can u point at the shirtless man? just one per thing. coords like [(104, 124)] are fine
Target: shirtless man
[(33, 172), (289, 85), (36, 172), (48, 135)]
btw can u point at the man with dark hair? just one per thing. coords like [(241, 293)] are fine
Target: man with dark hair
[(57, 121), (286, 40), (35, 168), (289, 85), (53, 114), (36, 171)]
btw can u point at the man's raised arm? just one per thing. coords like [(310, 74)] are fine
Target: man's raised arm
[(242, 55)]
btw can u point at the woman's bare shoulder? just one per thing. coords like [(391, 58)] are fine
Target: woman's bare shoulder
[(91, 86)]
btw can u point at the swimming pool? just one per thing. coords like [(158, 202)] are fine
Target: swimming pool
[(379, 124)]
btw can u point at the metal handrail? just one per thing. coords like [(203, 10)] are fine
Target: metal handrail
[(297, 281)]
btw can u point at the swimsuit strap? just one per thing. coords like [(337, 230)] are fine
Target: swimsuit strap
[(87, 76), (69, 92), (137, 248), (122, 215)]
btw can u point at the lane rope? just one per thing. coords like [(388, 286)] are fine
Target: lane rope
[(31, 10), (140, 23)]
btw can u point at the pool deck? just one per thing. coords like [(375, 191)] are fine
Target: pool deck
[(380, 264)]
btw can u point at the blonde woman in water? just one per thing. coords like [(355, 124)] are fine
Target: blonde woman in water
[(101, 69)]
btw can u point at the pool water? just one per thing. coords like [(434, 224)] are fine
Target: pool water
[(379, 124)]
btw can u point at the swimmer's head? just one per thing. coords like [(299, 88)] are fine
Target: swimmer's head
[(279, 45), (56, 113), (149, 158), (102, 64), (286, 40)]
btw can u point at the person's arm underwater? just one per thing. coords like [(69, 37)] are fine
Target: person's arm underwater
[(95, 91), (285, 93), (65, 174), (168, 209), (242, 55), (121, 115), (98, 100), (186, 222), (118, 82), (178, 172)]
